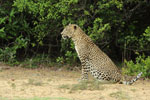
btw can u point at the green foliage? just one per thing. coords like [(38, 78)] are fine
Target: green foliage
[(38, 61), (98, 30), (142, 64), (8, 54), (32, 27), (145, 40), (2, 33), (141, 41), (69, 58)]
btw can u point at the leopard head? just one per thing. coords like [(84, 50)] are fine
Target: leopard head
[(69, 31)]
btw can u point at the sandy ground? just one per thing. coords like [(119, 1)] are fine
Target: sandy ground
[(27, 83)]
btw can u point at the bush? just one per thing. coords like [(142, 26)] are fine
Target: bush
[(70, 58), (142, 64), (38, 61), (8, 54), (116, 26)]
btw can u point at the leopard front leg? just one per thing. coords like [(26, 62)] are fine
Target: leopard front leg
[(84, 58), (85, 70)]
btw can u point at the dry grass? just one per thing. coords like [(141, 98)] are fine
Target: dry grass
[(37, 98), (133, 90), (35, 82), (85, 85), (120, 95), (19, 83)]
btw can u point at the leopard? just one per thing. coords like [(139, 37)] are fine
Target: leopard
[(93, 59)]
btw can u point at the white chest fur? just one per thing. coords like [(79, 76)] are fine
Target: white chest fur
[(77, 50)]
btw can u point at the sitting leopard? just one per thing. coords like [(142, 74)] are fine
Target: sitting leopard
[(92, 59)]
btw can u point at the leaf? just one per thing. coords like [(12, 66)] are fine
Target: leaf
[(12, 13), (2, 30), (2, 33), (2, 20), (86, 12), (33, 44), (147, 30)]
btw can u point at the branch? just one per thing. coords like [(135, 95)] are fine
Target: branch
[(130, 13)]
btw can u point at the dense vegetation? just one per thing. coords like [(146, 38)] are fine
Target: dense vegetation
[(30, 30)]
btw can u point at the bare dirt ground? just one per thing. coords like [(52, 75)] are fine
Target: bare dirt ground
[(19, 82)]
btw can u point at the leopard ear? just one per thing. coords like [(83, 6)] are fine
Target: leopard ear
[(75, 27)]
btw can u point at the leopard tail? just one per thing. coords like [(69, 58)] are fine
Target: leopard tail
[(132, 80)]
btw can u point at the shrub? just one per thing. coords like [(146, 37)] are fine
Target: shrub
[(142, 64), (8, 53), (38, 61)]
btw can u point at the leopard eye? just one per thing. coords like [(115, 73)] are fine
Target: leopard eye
[(75, 27)]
